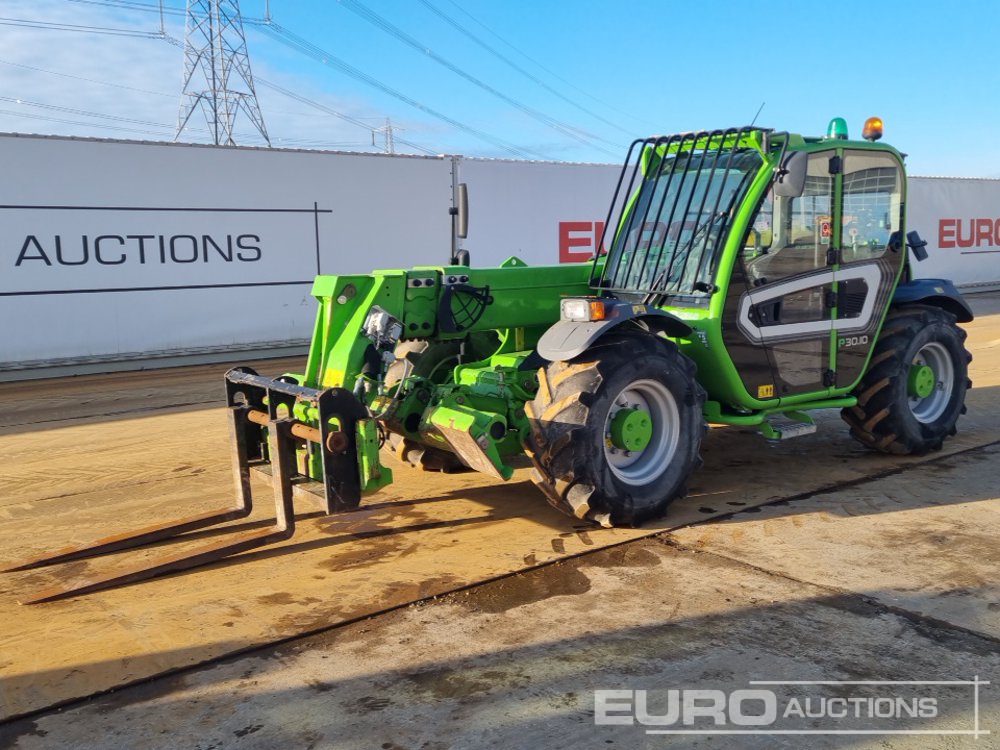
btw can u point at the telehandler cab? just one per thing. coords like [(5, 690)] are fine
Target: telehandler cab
[(751, 277)]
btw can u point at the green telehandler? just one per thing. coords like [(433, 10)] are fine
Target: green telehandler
[(750, 277)]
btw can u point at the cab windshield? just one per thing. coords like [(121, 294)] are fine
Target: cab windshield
[(677, 220)]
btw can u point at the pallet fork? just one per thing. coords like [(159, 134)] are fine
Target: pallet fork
[(254, 403)]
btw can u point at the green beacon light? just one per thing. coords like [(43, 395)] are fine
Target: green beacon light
[(837, 129)]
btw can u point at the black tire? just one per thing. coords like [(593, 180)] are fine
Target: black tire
[(888, 417), (569, 417)]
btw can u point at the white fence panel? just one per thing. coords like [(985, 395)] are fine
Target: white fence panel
[(960, 219), (545, 213), (114, 250)]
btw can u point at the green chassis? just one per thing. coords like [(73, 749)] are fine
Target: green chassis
[(447, 363), (467, 391)]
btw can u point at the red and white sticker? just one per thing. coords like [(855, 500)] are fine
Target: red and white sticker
[(825, 231)]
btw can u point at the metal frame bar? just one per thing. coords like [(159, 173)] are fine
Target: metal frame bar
[(687, 207), (254, 403), (282, 445), (704, 147), (594, 279), (158, 532), (642, 225), (718, 199)]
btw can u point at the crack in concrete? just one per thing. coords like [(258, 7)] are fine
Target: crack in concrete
[(846, 484), (917, 619)]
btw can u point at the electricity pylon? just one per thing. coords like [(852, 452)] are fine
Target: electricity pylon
[(389, 142), (217, 77)]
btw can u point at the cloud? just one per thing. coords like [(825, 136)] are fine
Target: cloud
[(122, 61), (96, 84), (88, 84)]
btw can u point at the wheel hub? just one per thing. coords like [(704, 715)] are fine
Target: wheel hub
[(921, 381), (631, 430), (641, 432), (930, 382)]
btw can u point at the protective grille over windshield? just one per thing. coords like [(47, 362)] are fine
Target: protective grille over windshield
[(683, 192)]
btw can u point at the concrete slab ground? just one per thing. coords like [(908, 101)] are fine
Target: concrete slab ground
[(926, 541), (805, 604), (516, 663)]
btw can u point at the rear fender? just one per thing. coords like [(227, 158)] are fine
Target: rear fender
[(935, 292)]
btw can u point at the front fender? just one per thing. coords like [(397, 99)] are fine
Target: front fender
[(568, 338)]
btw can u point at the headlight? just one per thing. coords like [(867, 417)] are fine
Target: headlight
[(581, 310), (382, 328)]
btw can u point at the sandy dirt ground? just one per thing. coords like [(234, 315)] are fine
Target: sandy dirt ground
[(807, 560)]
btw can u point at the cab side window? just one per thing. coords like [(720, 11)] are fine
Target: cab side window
[(761, 235), (790, 236), (872, 205)]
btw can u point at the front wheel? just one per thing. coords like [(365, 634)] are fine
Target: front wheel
[(913, 393), (616, 432)]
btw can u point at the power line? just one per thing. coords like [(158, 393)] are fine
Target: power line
[(128, 5), (286, 37), (311, 102), (313, 143), (292, 141), (342, 116), (117, 118), (88, 80), (281, 35), (33, 116), (322, 108), (376, 20), (53, 26), (325, 58), (499, 55), (538, 64), (162, 9), (86, 113), (74, 111)]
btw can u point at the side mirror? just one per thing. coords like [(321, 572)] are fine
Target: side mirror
[(790, 180), (917, 245), (459, 224), (462, 203)]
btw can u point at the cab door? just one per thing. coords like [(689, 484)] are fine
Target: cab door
[(871, 253), (780, 308)]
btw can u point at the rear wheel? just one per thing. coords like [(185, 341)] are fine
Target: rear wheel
[(913, 393), (616, 431)]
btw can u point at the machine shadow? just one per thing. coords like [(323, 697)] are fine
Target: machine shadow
[(538, 695), (740, 467)]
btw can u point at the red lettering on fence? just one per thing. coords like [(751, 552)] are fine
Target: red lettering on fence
[(582, 234), (979, 233)]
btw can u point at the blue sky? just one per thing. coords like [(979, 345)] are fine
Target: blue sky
[(598, 74)]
